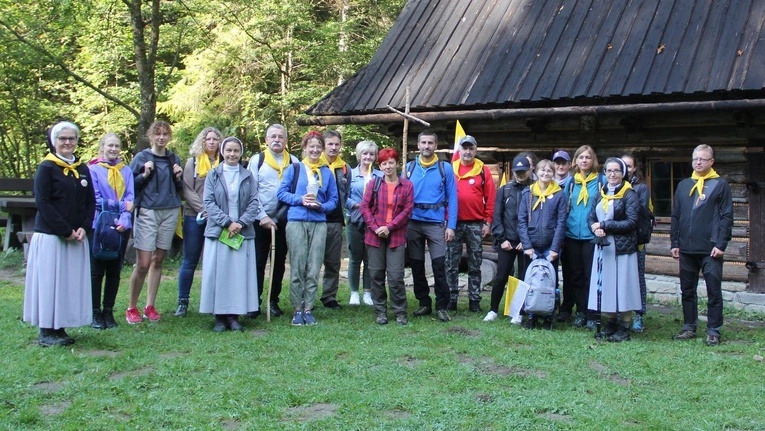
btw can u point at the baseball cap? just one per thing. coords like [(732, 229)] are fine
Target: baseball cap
[(560, 154), (521, 163), (467, 140)]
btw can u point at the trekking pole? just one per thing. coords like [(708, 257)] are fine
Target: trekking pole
[(598, 334), (270, 271)]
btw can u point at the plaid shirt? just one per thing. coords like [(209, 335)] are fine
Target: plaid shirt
[(374, 217)]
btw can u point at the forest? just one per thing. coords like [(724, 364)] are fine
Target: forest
[(117, 65)]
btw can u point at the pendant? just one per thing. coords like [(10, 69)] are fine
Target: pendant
[(84, 182), (702, 196)]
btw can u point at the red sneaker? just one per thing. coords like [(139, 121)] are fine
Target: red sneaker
[(132, 316), (150, 313)]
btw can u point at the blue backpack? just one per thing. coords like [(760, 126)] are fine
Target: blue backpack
[(107, 240)]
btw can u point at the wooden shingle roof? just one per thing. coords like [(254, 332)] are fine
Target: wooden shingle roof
[(459, 54)]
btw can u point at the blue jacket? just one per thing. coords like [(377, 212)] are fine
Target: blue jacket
[(542, 228), (576, 224), (326, 196), (430, 190), (356, 189)]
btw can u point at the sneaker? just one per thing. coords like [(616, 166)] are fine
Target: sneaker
[(452, 306), (183, 308), (297, 319), (133, 316), (354, 299), (401, 319), (685, 334), (308, 318), (591, 325), (443, 315), (368, 299), (637, 323), (381, 319), (621, 334), (150, 313), (580, 321), (712, 340), (490, 317), (607, 331), (333, 305), (516, 320), (423, 311), (563, 316)]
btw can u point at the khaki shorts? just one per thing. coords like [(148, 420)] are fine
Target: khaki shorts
[(154, 229)]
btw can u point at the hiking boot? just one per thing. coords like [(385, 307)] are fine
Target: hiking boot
[(621, 334), (530, 323), (607, 331), (109, 321), (49, 337), (637, 323), (547, 324), (297, 319), (712, 340), (98, 320), (133, 316), (183, 308), (333, 305), (591, 325), (423, 311), (490, 317), (355, 300), (308, 318), (685, 334), (151, 313), (475, 306), (368, 299), (253, 314), (563, 316), (275, 310), (220, 323), (443, 315), (233, 323), (382, 319), (579, 320), (401, 319), (452, 306), (63, 335)]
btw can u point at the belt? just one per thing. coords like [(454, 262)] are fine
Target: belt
[(430, 206)]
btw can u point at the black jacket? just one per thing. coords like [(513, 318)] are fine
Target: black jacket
[(504, 226), (343, 181), (698, 225), (64, 203), (624, 225)]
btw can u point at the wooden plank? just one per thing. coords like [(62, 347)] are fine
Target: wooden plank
[(648, 55), (757, 223), (669, 266), (17, 185), (728, 44), (664, 63), (736, 251), (634, 43)]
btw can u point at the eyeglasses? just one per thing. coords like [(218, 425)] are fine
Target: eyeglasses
[(701, 160), (613, 172), (67, 138)]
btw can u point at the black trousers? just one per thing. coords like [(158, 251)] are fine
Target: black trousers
[(262, 248), (505, 268), (111, 270), (577, 270), (711, 269)]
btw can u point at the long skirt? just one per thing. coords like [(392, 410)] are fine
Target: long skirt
[(229, 278), (57, 289), (621, 281)]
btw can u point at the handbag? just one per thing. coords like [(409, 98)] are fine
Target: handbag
[(107, 240)]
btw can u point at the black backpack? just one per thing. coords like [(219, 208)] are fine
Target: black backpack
[(107, 240), (646, 222)]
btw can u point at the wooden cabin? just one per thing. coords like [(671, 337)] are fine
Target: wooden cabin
[(655, 78)]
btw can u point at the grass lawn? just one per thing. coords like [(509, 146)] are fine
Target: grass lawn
[(347, 373)]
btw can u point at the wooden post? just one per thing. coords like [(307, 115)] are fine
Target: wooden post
[(406, 131)]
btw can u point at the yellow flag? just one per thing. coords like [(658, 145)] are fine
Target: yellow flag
[(179, 224), (503, 180), (459, 133), (512, 285)]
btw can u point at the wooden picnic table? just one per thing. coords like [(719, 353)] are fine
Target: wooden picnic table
[(21, 212)]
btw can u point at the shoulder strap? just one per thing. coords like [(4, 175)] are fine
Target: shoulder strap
[(295, 177), (443, 175), (409, 169), (375, 190), (260, 161)]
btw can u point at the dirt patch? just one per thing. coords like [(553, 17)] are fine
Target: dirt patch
[(172, 355), (13, 276), (134, 373), (397, 414), (230, 425), (459, 330), (55, 408), (258, 333), (106, 353), (489, 366), (557, 417), (120, 417), (409, 361), (312, 412), (614, 377), (49, 387), (484, 398)]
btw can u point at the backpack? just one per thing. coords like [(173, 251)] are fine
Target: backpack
[(281, 208), (355, 219), (541, 298), (645, 224), (107, 240)]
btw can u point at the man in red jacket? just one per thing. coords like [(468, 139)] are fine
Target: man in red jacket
[(475, 200)]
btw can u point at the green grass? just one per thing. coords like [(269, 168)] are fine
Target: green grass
[(348, 373)]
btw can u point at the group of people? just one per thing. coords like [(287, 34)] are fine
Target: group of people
[(238, 214)]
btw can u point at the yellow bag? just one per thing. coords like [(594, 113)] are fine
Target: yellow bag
[(512, 285)]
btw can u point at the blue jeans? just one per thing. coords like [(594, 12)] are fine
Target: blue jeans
[(193, 243), (356, 255)]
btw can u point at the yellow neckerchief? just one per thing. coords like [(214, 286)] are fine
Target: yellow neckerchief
[(475, 171), (536, 190), (315, 168), (270, 160), (115, 179), (425, 164), (67, 167), (337, 164), (203, 165), (699, 187), (584, 194), (608, 198)]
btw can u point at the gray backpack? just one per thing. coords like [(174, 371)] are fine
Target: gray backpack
[(541, 297)]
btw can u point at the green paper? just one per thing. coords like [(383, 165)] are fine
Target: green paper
[(234, 242)]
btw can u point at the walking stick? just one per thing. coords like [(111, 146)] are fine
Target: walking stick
[(270, 271)]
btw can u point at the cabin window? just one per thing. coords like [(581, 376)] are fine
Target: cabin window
[(663, 176)]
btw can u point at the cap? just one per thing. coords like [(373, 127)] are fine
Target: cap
[(467, 140), (560, 154), (521, 163)]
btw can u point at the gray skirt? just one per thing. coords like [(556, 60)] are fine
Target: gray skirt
[(229, 279), (621, 281), (57, 290)]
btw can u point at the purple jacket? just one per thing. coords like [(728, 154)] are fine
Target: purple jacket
[(106, 194)]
